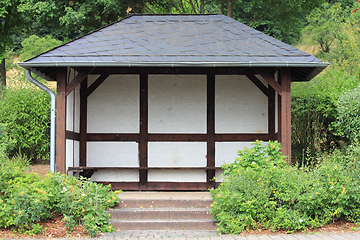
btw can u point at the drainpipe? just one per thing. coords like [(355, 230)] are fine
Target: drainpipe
[(52, 120)]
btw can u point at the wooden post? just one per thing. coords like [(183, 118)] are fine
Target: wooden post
[(210, 136), (60, 163), (143, 143), (286, 113), (83, 121), (271, 113)]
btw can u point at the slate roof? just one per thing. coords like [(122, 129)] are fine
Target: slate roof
[(177, 41)]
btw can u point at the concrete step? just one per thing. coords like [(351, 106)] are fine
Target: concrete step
[(163, 211), (164, 203), (160, 213), (172, 224)]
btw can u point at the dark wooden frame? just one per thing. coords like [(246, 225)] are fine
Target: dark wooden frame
[(279, 87)]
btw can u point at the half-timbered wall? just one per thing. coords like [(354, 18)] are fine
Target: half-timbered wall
[(177, 104), (114, 108)]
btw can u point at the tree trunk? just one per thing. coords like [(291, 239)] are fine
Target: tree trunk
[(2, 73), (222, 7), (230, 8), (202, 6)]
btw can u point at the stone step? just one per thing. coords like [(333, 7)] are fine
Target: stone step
[(170, 224), (160, 213), (164, 203)]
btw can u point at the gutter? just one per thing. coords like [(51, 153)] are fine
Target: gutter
[(29, 65), (52, 120)]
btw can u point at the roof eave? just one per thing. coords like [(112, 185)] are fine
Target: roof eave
[(316, 66)]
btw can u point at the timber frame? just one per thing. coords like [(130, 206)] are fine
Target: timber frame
[(277, 79)]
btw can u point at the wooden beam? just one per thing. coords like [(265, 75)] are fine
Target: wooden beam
[(271, 113), (113, 137), (83, 121), (286, 113), (241, 137), (72, 135), (78, 79), (97, 83), (60, 162), (210, 136), (174, 70), (258, 83), (270, 80), (159, 186), (143, 141), (168, 137)]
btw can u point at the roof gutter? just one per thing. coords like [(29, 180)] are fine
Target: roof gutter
[(29, 65), (52, 120)]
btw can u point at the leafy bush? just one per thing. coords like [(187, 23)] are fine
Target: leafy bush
[(348, 118), (26, 199), (25, 122), (272, 195)]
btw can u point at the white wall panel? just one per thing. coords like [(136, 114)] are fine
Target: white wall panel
[(226, 152), (77, 109), (69, 153), (70, 100), (177, 154), (177, 104), (114, 106), (240, 107), (177, 176), (115, 175), (112, 154)]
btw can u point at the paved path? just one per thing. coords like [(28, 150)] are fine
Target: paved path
[(213, 235)]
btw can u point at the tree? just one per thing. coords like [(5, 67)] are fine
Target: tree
[(280, 19), (325, 24), (12, 18)]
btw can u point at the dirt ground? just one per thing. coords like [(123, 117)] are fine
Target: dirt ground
[(54, 228)]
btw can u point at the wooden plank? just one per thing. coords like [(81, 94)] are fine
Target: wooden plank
[(258, 83), (286, 113), (113, 137), (143, 140), (143, 168), (83, 121), (271, 113), (210, 136), (279, 111), (78, 79), (72, 135), (177, 186), (177, 137), (270, 80), (97, 83), (174, 70), (241, 137), (125, 186), (60, 162)]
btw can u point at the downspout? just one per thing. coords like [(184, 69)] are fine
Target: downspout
[(52, 120)]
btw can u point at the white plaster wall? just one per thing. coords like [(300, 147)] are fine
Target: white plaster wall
[(177, 154), (115, 175), (112, 154), (76, 112), (70, 101), (240, 107), (176, 175), (76, 153), (114, 106), (177, 103)]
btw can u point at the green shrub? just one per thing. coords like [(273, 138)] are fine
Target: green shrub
[(26, 199), (276, 196), (348, 118), (25, 122)]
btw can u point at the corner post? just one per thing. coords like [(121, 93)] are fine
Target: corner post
[(286, 113), (60, 163)]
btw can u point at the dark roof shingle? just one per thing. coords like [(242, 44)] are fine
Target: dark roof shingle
[(150, 40)]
